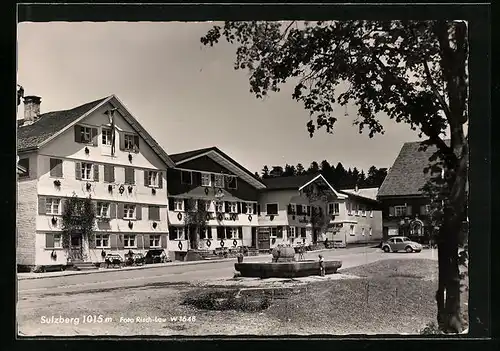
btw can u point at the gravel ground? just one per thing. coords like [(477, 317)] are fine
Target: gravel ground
[(395, 296)]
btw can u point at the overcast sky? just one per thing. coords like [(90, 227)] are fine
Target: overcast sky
[(187, 96)]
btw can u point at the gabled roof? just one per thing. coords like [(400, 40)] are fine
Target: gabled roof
[(297, 182), (366, 193), (406, 176), (51, 124), (220, 157)]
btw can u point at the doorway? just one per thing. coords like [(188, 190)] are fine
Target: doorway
[(254, 237), (76, 248)]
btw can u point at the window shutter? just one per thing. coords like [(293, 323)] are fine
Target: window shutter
[(289, 209), (408, 210), (120, 212), (113, 238), (163, 241), (146, 179), (171, 203), (136, 143), (226, 206), (220, 232), (254, 208), (138, 212), (171, 233), (258, 209), (160, 180), (240, 232), (119, 242), (391, 211), (122, 140), (308, 210), (146, 241), (94, 136), (239, 205), (212, 179), (154, 213), (96, 172), (107, 176), (78, 134), (49, 241), (112, 210), (41, 205), (112, 173), (299, 210), (139, 241), (78, 170)]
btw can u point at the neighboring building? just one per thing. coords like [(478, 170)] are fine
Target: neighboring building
[(69, 153), (228, 190), (405, 208)]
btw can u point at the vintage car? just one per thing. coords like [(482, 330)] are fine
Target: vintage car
[(156, 256), (398, 243), (113, 260), (133, 258)]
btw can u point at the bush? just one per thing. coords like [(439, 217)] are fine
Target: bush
[(223, 300), (430, 329)]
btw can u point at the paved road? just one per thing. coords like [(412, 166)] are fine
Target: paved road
[(189, 273)]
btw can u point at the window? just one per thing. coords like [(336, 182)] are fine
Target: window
[(333, 208), (86, 134), (363, 211), (206, 179), (129, 241), (219, 180), (24, 163), (206, 233), (273, 232), (176, 233), (349, 208), (86, 169), (106, 136), (153, 179), (398, 240), (370, 232), (178, 205), (220, 206), (128, 211), (208, 206), (129, 175), (52, 206), (232, 183), (272, 209), (293, 208), (128, 142), (351, 229), (371, 213), (56, 168), (303, 232), (102, 240), (249, 208), (399, 211), (291, 232), (154, 240), (102, 210), (233, 207), (186, 177), (363, 231), (356, 209), (57, 241), (304, 209), (232, 233)]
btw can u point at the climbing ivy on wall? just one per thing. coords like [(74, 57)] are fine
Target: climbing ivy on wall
[(196, 219), (315, 193), (78, 214)]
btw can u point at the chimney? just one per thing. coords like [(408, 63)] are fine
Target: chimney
[(31, 109)]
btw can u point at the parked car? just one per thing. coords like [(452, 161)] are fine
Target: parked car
[(156, 256), (399, 243), (113, 260), (134, 258)]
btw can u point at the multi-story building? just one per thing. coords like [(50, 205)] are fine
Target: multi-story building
[(97, 150), (228, 192)]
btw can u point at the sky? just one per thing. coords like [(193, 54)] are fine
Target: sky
[(186, 95)]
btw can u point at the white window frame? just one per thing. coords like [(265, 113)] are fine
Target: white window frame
[(208, 205), (401, 208), (304, 209), (58, 241), (363, 231), (275, 235), (54, 203), (352, 229), (233, 207), (126, 241), (101, 238), (234, 232), (249, 208), (293, 207), (292, 232), (219, 180), (100, 206), (178, 208), (153, 179), (84, 169), (86, 131), (371, 213), (370, 231), (363, 211), (128, 138), (277, 208), (220, 206), (152, 239), (235, 182), (204, 180), (106, 139), (127, 208), (335, 208)]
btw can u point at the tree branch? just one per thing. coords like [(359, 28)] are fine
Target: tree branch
[(440, 98)]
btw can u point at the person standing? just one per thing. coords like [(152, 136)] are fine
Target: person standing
[(321, 265), (301, 252)]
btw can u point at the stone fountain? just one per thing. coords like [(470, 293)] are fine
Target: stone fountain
[(284, 265)]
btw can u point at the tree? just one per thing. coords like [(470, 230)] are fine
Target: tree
[(265, 172), (327, 170), (413, 71), (313, 168), (289, 171), (256, 174), (300, 169), (277, 171), (195, 220)]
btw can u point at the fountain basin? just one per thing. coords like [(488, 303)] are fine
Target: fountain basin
[(285, 269)]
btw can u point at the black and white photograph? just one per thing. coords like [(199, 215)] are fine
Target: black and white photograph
[(229, 178)]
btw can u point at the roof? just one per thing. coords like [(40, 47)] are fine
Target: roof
[(221, 158), (32, 135), (51, 124), (406, 176), (290, 182), (367, 193)]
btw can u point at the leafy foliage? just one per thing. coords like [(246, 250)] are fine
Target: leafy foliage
[(195, 219), (78, 215)]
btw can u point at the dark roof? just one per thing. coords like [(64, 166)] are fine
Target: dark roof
[(290, 182), (193, 153), (406, 176), (30, 136)]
